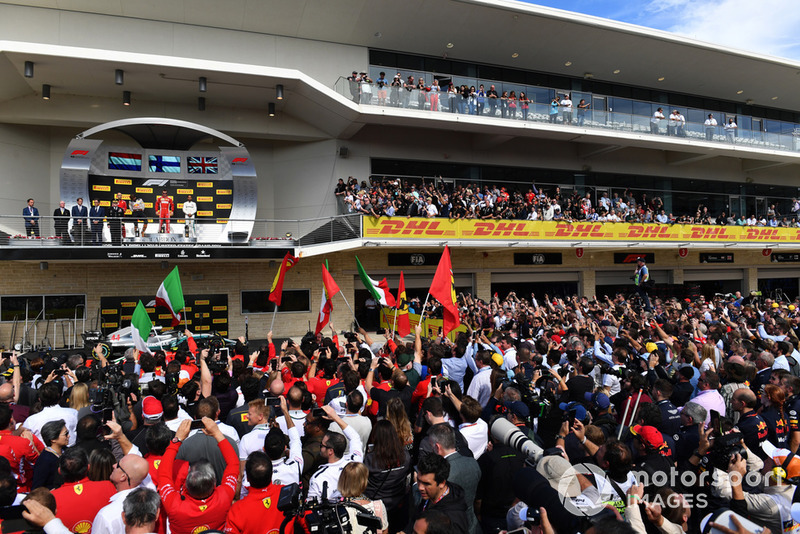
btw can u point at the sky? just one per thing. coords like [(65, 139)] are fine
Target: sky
[(764, 26)]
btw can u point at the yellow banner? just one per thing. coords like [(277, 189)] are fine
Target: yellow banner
[(148, 205), (128, 304), (105, 203), (430, 328), (122, 181), (219, 321), (201, 303), (144, 189), (164, 316), (101, 188), (108, 311), (219, 308), (125, 317), (224, 191), (403, 228), (205, 213), (205, 199), (205, 184), (223, 206), (205, 327), (110, 325), (186, 191)]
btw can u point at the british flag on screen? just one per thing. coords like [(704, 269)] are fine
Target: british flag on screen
[(202, 165)]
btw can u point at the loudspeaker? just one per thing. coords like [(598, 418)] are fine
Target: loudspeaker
[(344, 151)]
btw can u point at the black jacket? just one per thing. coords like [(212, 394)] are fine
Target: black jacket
[(452, 505)]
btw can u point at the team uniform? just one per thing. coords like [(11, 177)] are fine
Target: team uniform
[(192, 516), (164, 210), (330, 472), (190, 210), (77, 503), (22, 455), (257, 513), (287, 471)]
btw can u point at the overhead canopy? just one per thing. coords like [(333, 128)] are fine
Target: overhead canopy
[(161, 133)]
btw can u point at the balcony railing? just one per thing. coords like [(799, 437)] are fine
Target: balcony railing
[(604, 113)]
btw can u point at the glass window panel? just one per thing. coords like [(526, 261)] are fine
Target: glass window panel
[(293, 300), (63, 306), (621, 105), (12, 308), (644, 109)]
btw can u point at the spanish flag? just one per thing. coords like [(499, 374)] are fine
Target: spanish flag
[(276, 291), (403, 324), (443, 290)]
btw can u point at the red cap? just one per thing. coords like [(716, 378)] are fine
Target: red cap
[(152, 409), (652, 438)]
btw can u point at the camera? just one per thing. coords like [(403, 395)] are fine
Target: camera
[(725, 448), (217, 365), (323, 516), (506, 432)]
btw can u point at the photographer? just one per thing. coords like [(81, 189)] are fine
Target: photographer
[(202, 503)]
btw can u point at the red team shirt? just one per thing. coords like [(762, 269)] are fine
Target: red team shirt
[(77, 503)]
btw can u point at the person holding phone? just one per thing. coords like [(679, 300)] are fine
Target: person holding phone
[(332, 449)]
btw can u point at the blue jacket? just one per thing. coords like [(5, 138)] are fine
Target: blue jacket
[(80, 212), (31, 215)]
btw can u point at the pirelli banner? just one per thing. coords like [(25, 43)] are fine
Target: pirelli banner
[(430, 327), (204, 313), (404, 228)]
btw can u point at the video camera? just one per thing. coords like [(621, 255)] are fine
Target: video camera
[(538, 404), (726, 447), (323, 516)]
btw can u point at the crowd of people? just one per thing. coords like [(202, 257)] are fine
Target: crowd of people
[(548, 414), (394, 197)]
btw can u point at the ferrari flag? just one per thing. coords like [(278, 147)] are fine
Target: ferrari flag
[(443, 290), (276, 291)]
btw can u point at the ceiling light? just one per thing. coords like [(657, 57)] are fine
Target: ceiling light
[(661, 79), (29, 69), (119, 76), (378, 35), (740, 91), (450, 45), (774, 98), (271, 109), (279, 91), (45, 92), (202, 84), (126, 98), (749, 101), (201, 103), (515, 55), (616, 71), (568, 63), (588, 75)]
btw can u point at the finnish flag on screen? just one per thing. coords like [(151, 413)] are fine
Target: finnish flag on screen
[(165, 163)]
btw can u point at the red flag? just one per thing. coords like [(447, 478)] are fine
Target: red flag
[(403, 323), (443, 290), (329, 289), (276, 292)]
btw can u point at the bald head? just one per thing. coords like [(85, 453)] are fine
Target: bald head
[(746, 397), (6, 393), (136, 467)]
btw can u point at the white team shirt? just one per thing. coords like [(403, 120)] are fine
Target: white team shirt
[(330, 472)]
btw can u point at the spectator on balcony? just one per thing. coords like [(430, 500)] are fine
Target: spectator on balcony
[(463, 99), (504, 104), (674, 121), (751, 221), (658, 116), (394, 91), (433, 95), (512, 105), (730, 131), (352, 82), (481, 101), (681, 130), (366, 88), (382, 83), (583, 107), (662, 217), (472, 99), (422, 95), (524, 104), (553, 116), (711, 127), (452, 95), (492, 95), (566, 109), (408, 88)]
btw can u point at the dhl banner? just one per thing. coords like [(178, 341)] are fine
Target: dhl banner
[(430, 327), (467, 229)]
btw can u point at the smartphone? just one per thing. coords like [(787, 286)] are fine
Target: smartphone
[(286, 359), (224, 353), (108, 414), (197, 424), (13, 520), (715, 422), (274, 363), (272, 401), (318, 412)]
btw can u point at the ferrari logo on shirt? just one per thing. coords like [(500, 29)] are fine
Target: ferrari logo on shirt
[(201, 528), (78, 489), (245, 417), (156, 463), (203, 507), (267, 502)]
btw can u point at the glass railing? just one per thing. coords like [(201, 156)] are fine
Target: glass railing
[(603, 111), (16, 231)]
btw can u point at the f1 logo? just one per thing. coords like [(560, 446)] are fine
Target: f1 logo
[(153, 181)]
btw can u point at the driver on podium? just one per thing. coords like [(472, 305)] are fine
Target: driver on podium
[(189, 211), (164, 209)]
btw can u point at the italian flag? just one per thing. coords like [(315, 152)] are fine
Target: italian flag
[(378, 290), (170, 295), (141, 325)]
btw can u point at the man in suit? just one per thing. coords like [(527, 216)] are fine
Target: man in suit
[(96, 216), (464, 471), (31, 216), (79, 222), (61, 222)]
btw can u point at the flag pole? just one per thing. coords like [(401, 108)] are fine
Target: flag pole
[(396, 313), (422, 317), (274, 313), (351, 309)]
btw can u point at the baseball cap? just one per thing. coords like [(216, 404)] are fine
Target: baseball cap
[(152, 409), (404, 359), (580, 410), (518, 408), (650, 436), (498, 359), (599, 399), (555, 469), (651, 347)]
